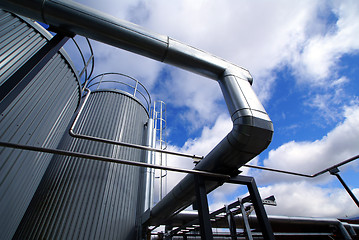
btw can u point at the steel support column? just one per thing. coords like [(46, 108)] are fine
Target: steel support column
[(203, 212), (231, 223), (12, 87), (257, 203), (335, 171), (247, 228)]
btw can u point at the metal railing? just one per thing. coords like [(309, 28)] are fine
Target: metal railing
[(103, 140), (123, 82), (160, 124), (303, 174), (86, 63), (333, 170), (109, 159)]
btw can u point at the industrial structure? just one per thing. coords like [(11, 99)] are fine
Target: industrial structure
[(77, 153)]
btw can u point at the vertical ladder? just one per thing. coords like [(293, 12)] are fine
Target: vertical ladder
[(160, 124)]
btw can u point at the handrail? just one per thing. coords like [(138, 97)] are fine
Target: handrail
[(97, 139), (91, 58), (303, 174), (135, 87), (112, 160)]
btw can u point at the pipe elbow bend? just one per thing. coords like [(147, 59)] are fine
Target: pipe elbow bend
[(252, 128)]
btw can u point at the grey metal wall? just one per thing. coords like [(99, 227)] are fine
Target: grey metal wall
[(38, 116), (87, 199)]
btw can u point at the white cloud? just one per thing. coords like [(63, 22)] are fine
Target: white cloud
[(300, 199), (310, 157), (298, 196), (262, 36), (200, 146), (201, 97), (317, 61), (304, 199)]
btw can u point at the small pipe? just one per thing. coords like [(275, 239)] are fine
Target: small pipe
[(149, 160), (280, 222), (303, 174), (81, 136), (335, 171), (112, 160), (252, 128)]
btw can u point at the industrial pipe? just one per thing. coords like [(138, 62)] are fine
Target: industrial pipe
[(280, 224), (252, 129)]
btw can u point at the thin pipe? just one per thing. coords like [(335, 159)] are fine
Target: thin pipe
[(337, 165), (112, 160), (149, 160), (281, 222), (351, 194), (81, 136), (83, 59), (252, 128), (303, 174), (148, 101)]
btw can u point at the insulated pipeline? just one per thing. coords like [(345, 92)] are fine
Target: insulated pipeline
[(252, 128)]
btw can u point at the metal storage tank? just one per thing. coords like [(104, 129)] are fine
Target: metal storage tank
[(88, 199), (37, 116)]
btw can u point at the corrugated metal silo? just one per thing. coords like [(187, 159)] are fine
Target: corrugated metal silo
[(87, 199), (37, 116)]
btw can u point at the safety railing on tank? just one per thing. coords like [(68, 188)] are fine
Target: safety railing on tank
[(97, 139), (122, 82), (85, 63)]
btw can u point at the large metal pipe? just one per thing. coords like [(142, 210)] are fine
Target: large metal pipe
[(251, 134), (73, 17), (279, 224), (252, 129)]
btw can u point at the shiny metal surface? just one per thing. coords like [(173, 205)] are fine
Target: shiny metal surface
[(39, 116), (149, 172), (126, 144), (111, 160), (302, 174), (250, 135), (96, 25), (86, 199), (280, 224), (252, 129)]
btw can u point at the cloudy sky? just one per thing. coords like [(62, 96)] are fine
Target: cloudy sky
[(303, 56)]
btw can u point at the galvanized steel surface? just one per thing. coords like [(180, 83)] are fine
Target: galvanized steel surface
[(38, 116), (252, 128), (86, 199), (82, 20)]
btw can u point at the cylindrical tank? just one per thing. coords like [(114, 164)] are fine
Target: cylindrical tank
[(38, 116), (87, 199)]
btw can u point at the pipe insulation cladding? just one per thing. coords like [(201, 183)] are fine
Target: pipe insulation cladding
[(38, 115), (252, 128), (86, 199)]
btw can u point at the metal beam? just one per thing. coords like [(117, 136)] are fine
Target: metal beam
[(247, 228), (203, 211), (231, 223), (109, 159), (257, 203), (303, 174), (335, 172)]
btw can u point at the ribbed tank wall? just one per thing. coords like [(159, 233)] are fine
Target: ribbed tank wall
[(38, 116), (87, 199)]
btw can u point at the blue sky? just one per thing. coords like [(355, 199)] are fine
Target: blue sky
[(304, 58)]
